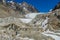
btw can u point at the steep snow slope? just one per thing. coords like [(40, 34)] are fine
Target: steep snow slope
[(29, 17), (33, 15)]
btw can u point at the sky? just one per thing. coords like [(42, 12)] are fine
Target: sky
[(41, 5)]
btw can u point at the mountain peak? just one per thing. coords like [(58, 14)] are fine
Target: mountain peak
[(24, 2), (27, 8)]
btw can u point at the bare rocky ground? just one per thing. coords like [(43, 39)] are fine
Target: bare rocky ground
[(23, 35)]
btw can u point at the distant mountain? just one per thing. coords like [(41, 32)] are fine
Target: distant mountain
[(16, 10), (26, 8)]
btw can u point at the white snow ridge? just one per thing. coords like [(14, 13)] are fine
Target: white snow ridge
[(52, 34)]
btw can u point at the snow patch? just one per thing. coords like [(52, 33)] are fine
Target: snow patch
[(25, 20), (31, 15), (51, 34)]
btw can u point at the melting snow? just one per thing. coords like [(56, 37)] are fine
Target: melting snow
[(51, 35)]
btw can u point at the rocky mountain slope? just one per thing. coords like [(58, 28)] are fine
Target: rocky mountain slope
[(16, 10), (23, 22)]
